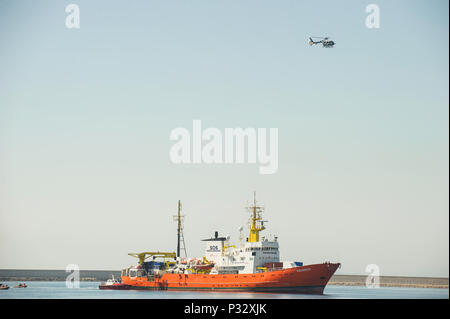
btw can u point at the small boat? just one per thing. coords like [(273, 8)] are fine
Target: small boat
[(4, 287), (204, 266), (113, 284), (24, 285)]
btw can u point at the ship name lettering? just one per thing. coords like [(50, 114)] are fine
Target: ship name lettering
[(305, 269)]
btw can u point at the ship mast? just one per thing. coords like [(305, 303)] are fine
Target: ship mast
[(256, 218), (180, 237)]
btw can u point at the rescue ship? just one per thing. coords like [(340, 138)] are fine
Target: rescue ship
[(254, 265)]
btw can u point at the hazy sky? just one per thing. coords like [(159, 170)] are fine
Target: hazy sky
[(86, 114)]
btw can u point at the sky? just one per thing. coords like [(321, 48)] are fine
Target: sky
[(86, 115)]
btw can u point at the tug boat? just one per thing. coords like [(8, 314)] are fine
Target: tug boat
[(113, 284), (254, 265)]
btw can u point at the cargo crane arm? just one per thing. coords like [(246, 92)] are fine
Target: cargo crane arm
[(143, 256)]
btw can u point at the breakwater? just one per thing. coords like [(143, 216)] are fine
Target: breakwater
[(54, 275), (391, 281)]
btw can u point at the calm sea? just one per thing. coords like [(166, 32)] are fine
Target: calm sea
[(88, 290)]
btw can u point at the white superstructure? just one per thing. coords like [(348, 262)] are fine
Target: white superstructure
[(249, 258)]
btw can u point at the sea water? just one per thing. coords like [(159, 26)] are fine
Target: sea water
[(89, 290)]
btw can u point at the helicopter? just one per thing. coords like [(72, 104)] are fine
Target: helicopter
[(326, 42)]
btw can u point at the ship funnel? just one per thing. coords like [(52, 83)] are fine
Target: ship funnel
[(216, 234)]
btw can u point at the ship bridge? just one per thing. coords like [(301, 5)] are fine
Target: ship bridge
[(248, 258)]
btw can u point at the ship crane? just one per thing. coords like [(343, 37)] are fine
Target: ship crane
[(155, 254)]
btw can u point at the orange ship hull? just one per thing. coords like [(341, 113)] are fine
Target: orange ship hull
[(304, 279)]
